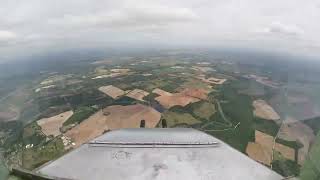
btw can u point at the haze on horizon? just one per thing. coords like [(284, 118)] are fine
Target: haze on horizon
[(43, 26)]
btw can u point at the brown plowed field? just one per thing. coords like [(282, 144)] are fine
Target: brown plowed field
[(298, 131), (261, 149), (51, 126), (264, 110), (112, 91), (113, 117), (137, 94), (169, 100)]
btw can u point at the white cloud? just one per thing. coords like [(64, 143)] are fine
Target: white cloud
[(44, 23), (7, 35), (278, 28), (128, 17)]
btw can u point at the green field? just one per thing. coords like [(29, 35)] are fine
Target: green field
[(36, 156), (204, 110), (311, 167), (175, 119), (238, 109), (3, 169), (79, 115), (266, 126)]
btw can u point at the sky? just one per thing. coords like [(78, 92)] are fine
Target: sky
[(43, 26)]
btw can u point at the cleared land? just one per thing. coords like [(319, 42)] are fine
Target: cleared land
[(169, 100), (161, 92), (137, 94), (113, 117), (298, 132), (261, 150), (257, 152), (175, 118), (263, 110), (112, 91), (52, 125), (130, 116), (195, 92)]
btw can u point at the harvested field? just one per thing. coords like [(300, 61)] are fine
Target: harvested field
[(298, 131), (130, 116), (258, 153), (285, 151), (195, 83), (112, 91), (261, 150), (90, 128), (175, 118), (161, 92), (263, 110), (195, 92), (137, 94), (52, 125), (113, 117), (169, 100)]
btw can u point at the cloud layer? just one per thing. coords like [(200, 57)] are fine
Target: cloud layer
[(45, 25)]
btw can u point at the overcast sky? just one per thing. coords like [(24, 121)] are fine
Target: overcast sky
[(40, 26)]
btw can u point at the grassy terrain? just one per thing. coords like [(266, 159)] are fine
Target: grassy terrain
[(311, 167), (4, 172), (286, 167), (314, 124), (195, 83), (176, 118), (79, 115), (32, 134), (292, 144), (204, 110), (238, 108), (35, 157), (266, 126)]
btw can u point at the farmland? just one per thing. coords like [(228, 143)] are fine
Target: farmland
[(264, 111), (168, 100), (113, 117), (57, 110), (52, 125)]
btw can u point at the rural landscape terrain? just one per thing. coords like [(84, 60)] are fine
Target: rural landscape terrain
[(268, 110)]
